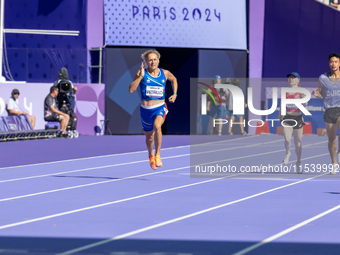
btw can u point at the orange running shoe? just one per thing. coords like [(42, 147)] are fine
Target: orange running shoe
[(158, 161), (152, 163)]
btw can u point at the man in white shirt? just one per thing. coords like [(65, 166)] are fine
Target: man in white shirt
[(12, 107)]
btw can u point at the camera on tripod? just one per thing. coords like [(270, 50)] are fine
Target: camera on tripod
[(66, 100), (66, 90), (65, 86)]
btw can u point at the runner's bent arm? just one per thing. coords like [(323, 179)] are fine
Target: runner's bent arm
[(174, 85), (138, 78)]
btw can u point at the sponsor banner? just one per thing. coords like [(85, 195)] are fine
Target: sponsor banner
[(217, 24)]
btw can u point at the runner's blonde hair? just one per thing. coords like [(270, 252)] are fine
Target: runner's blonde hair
[(147, 53)]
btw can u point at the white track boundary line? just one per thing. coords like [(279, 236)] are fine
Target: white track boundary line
[(90, 184), (128, 163), (102, 182), (131, 233), (286, 231), (119, 154), (108, 203), (126, 178), (239, 147), (79, 170), (260, 154)]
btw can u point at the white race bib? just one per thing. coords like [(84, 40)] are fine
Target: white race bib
[(154, 91)]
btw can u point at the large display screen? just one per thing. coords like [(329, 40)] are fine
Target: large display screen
[(169, 23)]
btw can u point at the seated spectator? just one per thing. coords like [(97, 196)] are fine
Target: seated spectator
[(12, 107), (51, 112), (335, 4)]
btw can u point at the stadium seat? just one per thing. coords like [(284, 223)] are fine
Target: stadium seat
[(262, 129), (321, 132), (3, 127), (52, 125), (14, 128), (279, 130), (307, 129)]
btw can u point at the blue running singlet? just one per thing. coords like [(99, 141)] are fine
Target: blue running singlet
[(153, 88), (330, 92)]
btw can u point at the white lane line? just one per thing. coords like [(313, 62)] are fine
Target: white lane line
[(260, 154), (286, 231), (239, 147), (138, 231), (109, 203), (91, 184), (128, 163), (95, 183), (132, 177), (77, 159), (119, 154), (85, 169)]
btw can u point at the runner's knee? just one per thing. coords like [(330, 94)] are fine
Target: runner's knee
[(157, 127), (331, 140), (149, 139), (297, 142)]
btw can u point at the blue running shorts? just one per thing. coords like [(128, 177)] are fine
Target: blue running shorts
[(148, 115)]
